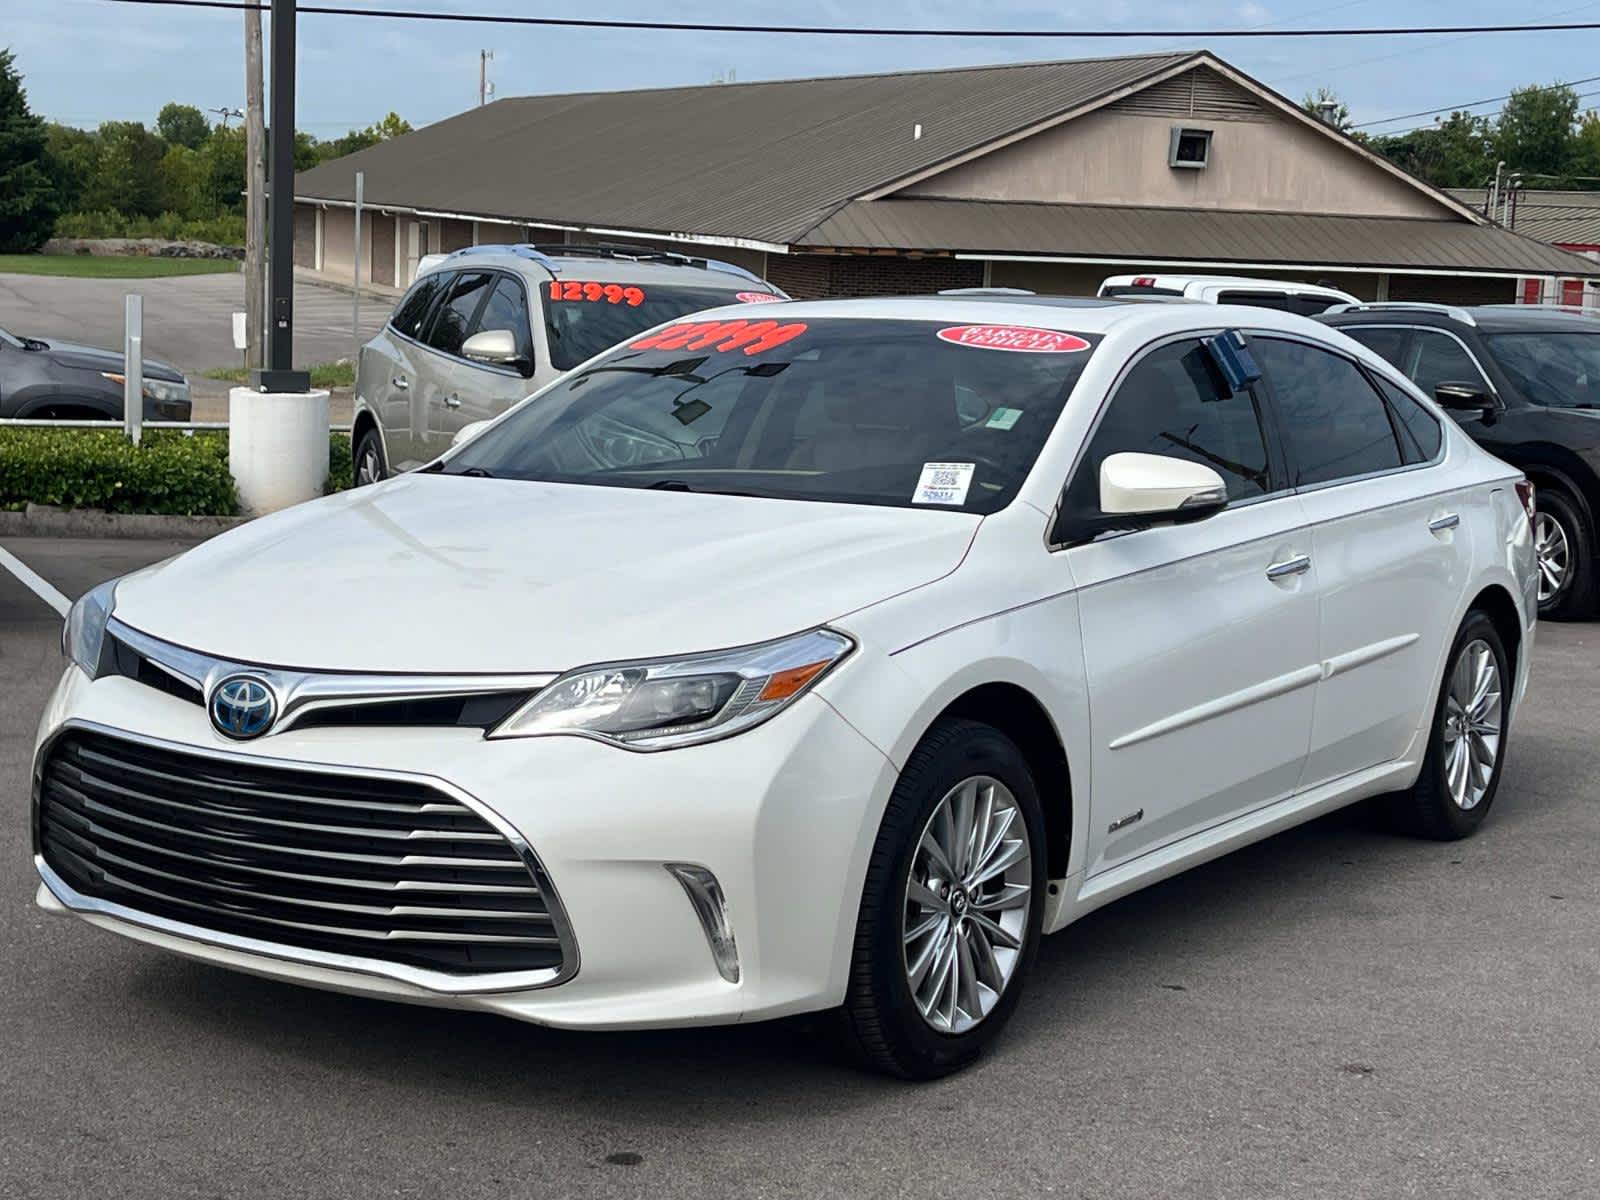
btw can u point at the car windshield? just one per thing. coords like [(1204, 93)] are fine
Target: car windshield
[(585, 317), (1559, 370), (862, 411)]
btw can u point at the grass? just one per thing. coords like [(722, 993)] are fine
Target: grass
[(323, 375), (95, 266)]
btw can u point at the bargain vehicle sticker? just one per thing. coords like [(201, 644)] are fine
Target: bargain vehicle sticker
[(596, 293), (722, 336), (756, 298), (943, 483), (1020, 338)]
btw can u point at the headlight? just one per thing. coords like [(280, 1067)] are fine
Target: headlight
[(662, 704), (85, 631), (162, 391)]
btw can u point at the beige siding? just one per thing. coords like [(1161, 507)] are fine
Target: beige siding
[(381, 253), (338, 241), (1120, 157)]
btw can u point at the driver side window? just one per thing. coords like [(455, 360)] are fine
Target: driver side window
[(1174, 403)]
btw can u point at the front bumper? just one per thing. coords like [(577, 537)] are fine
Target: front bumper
[(783, 815)]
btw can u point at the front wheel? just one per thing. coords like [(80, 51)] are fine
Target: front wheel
[(1564, 546), (1466, 745), (951, 909)]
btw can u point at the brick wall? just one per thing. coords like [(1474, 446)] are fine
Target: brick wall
[(381, 245), (811, 276)]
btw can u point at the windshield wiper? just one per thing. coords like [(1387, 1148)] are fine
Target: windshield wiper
[(471, 472)]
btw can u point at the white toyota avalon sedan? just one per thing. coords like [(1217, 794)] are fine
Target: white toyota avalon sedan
[(815, 659)]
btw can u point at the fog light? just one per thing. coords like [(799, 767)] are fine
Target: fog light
[(705, 894)]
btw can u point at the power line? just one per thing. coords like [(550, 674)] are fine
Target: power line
[(1485, 116), (870, 31), (1428, 112)]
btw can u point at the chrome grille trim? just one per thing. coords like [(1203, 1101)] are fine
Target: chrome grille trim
[(305, 890), (302, 692)]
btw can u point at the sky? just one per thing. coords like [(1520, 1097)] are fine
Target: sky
[(87, 61)]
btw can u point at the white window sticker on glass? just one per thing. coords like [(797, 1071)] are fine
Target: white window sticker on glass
[(943, 483)]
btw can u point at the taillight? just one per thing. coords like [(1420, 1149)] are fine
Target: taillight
[(1145, 281), (1525, 494)]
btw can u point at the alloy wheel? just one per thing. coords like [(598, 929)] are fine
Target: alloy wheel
[(369, 469), (1472, 724), (1554, 554), (966, 904)]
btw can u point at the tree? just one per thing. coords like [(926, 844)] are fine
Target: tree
[(182, 125), (392, 126), (127, 171), (28, 200), (1325, 105), (1586, 149), (1534, 134), (222, 170), (70, 153), (1455, 152)]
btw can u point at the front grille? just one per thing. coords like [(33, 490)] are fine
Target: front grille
[(382, 869)]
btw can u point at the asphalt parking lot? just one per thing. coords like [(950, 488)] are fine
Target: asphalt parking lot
[(1335, 1012)]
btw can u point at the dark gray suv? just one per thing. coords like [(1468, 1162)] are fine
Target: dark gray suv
[(61, 381)]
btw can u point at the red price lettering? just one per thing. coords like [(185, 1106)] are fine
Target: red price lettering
[(752, 337)]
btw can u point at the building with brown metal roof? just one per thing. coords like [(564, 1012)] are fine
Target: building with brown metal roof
[(1048, 176)]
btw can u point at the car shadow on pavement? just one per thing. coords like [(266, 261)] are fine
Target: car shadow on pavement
[(1149, 944)]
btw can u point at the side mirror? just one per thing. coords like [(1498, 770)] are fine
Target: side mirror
[(497, 347), (1464, 398), (467, 432), (1154, 485)]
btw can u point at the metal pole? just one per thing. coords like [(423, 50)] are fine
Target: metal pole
[(279, 374), (255, 192), (355, 303), (133, 367)]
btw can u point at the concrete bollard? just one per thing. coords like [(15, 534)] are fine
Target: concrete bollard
[(277, 447)]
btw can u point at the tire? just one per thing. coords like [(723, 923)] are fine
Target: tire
[(369, 451), (1565, 541), (958, 764), (1432, 807)]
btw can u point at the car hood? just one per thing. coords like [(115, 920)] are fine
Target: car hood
[(432, 573), (92, 358)]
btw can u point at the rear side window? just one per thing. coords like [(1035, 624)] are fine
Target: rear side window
[(1172, 403), (1438, 358), (1336, 425), (413, 309), (1420, 435), (1386, 342), (507, 309), (455, 320), (1275, 300)]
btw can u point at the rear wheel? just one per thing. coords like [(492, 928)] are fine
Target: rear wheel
[(951, 909), (1564, 544), (370, 466), (1466, 746)]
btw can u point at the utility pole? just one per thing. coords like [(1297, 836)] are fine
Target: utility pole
[(255, 191), (485, 88), (279, 374)]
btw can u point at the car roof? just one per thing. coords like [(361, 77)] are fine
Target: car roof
[(606, 264), (1487, 318), (1074, 314), (1181, 281)]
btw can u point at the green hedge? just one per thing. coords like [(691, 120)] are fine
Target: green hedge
[(171, 472), (224, 230)]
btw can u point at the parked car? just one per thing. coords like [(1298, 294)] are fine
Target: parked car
[(1307, 299), (1525, 383), (817, 657), (59, 380), (483, 327)]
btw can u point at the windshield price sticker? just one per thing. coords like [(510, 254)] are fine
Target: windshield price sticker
[(943, 483), (722, 336), (1018, 338), (757, 298), (595, 293)]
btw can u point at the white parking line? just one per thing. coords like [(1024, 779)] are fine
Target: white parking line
[(34, 582)]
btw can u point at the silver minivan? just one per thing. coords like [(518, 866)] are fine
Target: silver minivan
[(487, 325)]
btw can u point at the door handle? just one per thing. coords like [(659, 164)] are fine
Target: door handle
[(400, 383), (452, 401), (1440, 524), (1297, 565)]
